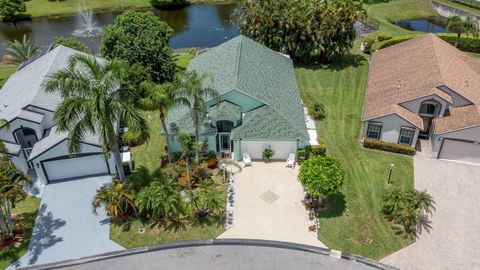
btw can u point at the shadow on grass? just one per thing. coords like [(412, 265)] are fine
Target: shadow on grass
[(337, 207), (349, 60)]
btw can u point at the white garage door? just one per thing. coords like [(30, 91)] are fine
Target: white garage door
[(282, 149), (75, 167), (460, 151)]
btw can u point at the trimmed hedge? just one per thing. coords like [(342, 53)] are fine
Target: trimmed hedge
[(391, 147), (466, 43), (313, 151)]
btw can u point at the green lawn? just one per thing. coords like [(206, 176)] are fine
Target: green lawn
[(5, 72), (27, 211), (394, 10), (149, 155), (39, 8), (354, 223)]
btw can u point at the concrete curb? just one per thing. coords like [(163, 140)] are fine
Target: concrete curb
[(213, 242)]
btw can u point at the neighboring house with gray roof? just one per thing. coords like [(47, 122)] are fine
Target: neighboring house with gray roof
[(260, 103), (33, 143), (425, 88)]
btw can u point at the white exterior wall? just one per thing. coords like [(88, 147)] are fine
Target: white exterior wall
[(414, 105), (19, 162), (391, 126), (7, 134), (470, 134), (282, 148), (62, 150)]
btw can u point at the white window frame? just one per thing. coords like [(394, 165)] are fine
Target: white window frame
[(379, 125), (401, 132)]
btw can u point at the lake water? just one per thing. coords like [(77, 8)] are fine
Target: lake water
[(431, 25), (194, 26)]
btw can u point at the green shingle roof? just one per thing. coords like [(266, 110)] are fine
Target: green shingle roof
[(244, 65), (226, 111)]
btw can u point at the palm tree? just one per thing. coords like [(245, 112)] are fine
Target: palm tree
[(22, 51), (93, 103), (162, 98), (160, 200), (460, 26), (11, 189), (195, 88), (205, 199), (186, 144), (117, 199)]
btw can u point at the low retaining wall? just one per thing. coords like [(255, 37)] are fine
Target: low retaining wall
[(447, 11)]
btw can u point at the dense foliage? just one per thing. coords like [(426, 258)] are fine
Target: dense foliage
[(168, 4), (462, 26), (141, 38), (10, 9), (317, 111), (160, 200), (388, 146), (313, 151), (268, 153), (409, 209), (71, 42), (307, 30), (321, 176)]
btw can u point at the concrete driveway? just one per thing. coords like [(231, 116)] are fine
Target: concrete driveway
[(268, 206), (65, 227), (454, 239)]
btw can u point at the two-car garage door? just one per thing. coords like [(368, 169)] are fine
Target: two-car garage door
[(74, 167), (464, 151), (282, 149)]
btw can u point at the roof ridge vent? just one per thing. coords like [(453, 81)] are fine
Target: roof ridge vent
[(467, 84), (399, 84)]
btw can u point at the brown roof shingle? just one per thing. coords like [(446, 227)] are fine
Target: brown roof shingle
[(414, 69)]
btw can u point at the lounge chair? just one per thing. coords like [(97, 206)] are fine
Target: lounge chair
[(247, 161), (291, 161)]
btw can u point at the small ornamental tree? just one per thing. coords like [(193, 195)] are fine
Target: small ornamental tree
[(267, 154), (141, 37), (321, 177)]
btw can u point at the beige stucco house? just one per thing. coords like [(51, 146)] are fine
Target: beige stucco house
[(425, 88)]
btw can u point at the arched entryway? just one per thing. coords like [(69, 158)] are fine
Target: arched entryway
[(26, 137), (429, 110)]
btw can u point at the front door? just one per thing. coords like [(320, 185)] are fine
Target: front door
[(224, 142)]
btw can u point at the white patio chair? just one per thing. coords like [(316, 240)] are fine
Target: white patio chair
[(291, 161), (247, 161)]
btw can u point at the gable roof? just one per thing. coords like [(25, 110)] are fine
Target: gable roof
[(246, 66), (416, 68), (25, 87)]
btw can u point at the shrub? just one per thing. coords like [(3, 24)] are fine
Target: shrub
[(466, 43), (168, 4), (391, 42), (314, 151), (388, 146), (172, 170), (321, 176), (160, 200), (268, 153), (301, 156), (383, 37), (127, 169), (131, 138), (317, 111), (212, 164)]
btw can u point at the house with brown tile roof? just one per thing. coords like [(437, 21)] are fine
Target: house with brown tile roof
[(425, 88)]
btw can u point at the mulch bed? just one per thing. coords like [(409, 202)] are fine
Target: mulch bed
[(18, 238)]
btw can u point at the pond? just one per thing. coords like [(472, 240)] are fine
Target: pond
[(194, 26), (432, 25)]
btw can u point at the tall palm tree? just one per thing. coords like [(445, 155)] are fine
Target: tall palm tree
[(23, 50), (196, 88), (93, 102), (162, 98), (460, 26), (11, 189), (185, 142)]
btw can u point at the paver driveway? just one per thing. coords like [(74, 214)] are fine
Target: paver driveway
[(454, 240), (65, 227), (268, 205)]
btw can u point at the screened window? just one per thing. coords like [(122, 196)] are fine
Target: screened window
[(427, 108), (374, 131), (406, 136)]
